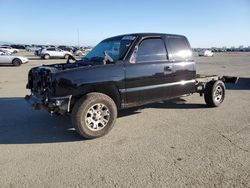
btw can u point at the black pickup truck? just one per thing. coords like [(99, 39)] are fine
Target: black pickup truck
[(121, 72)]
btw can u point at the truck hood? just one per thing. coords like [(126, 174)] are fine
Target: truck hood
[(67, 66)]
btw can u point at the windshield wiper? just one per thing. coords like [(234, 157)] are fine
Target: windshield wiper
[(107, 58)]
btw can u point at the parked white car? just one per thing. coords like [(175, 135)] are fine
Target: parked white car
[(206, 53), (9, 49), (78, 52), (48, 53), (7, 59)]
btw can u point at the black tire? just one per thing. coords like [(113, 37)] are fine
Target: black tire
[(214, 93), (46, 56), (81, 111), (16, 62), (66, 56)]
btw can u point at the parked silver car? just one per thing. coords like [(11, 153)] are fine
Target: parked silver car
[(9, 49), (48, 53), (7, 59)]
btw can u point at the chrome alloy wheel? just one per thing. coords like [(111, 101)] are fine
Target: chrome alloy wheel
[(97, 117), (218, 93)]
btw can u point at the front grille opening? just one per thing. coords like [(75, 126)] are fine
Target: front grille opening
[(40, 81)]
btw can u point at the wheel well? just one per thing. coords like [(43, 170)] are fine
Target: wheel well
[(43, 56), (16, 59), (109, 90)]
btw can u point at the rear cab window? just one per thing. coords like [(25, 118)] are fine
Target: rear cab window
[(179, 47), (151, 50)]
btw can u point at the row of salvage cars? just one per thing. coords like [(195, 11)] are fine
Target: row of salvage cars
[(8, 57), (60, 52), (8, 54)]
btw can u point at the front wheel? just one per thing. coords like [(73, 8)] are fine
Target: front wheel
[(16, 62), (214, 93), (94, 115), (46, 56)]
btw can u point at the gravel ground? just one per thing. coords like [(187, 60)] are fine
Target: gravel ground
[(180, 143)]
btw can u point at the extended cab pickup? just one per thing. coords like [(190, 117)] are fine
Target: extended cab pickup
[(121, 72)]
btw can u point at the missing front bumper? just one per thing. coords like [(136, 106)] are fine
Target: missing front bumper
[(58, 105)]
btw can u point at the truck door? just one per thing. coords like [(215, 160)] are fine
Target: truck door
[(148, 75), (183, 67)]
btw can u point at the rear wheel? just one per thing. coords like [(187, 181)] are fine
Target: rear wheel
[(94, 115), (16, 62), (214, 93)]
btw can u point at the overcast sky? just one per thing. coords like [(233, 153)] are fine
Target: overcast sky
[(206, 23)]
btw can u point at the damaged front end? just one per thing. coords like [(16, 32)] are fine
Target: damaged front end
[(56, 105), (42, 86)]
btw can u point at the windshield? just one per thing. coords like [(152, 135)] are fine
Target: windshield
[(115, 47)]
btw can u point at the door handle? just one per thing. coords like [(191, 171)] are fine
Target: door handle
[(168, 68)]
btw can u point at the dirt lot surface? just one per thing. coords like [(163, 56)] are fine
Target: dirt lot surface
[(181, 143)]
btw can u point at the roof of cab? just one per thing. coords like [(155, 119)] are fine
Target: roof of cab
[(154, 34), (146, 35)]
